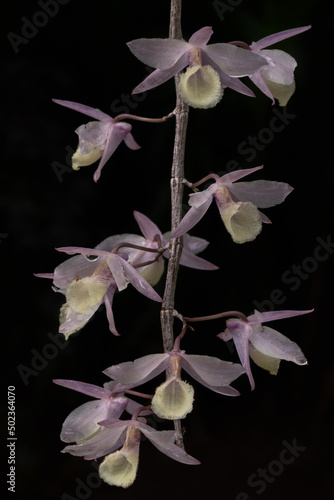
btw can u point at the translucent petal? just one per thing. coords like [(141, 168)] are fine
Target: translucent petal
[(139, 371), (159, 53), (274, 344), (261, 193), (234, 61)]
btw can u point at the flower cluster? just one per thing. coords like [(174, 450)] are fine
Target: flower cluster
[(98, 431), (211, 68), (92, 277)]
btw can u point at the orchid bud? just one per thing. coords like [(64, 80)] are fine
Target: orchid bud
[(242, 220), (120, 468), (85, 293), (80, 160), (200, 87)]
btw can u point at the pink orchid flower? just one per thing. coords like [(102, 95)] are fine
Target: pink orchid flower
[(174, 398), (119, 467), (109, 402), (210, 67), (264, 345), (276, 80), (237, 202), (92, 277), (99, 139)]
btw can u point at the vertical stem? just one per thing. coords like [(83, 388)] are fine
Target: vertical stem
[(176, 183)]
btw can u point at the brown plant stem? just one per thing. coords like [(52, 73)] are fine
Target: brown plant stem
[(176, 183)]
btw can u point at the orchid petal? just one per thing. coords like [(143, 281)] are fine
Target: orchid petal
[(160, 76), (164, 442), (212, 371), (274, 344), (81, 423), (147, 227), (194, 244), (108, 300), (201, 36), (115, 136), (258, 80), (240, 333), (191, 218), (88, 389), (234, 61), (159, 53), (83, 251), (130, 142), (261, 193), (45, 275), (277, 37), (188, 259), (86, 110), (231, 82), (103, 443), (258, 318), (125, 272), (139, 371), (280, 69), (72, 268), (238, 174)]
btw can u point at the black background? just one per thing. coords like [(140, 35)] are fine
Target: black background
[(80, 54)]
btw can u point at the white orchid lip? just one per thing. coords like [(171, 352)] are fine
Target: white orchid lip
[(79, 160), (200, 87), (83, 294), (242, 220), (281, 92), (173, 399), (120, 468)]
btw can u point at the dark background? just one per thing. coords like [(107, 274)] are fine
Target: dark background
[(80, 54)]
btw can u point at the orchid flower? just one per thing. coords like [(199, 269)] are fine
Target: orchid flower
[(210, 68), (174, 398), (119, 467), (110, 402), (87, 280), (237, 203), (276, 79), (99, 139), (263, 344)]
